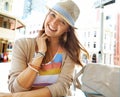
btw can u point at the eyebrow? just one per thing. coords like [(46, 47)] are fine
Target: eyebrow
[(59, 15)]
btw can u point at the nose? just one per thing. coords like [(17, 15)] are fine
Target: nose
[(54, 22)]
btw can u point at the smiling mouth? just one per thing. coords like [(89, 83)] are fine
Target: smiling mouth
[(51, 28)]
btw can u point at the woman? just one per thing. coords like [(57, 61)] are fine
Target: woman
[(43, 66)]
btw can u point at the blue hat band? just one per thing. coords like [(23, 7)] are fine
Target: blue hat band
[(63, 12)]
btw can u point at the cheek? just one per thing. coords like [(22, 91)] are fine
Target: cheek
[(47, 20), (61, 32), (64, 29)]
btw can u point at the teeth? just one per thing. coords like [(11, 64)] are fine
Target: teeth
[(52, 28)]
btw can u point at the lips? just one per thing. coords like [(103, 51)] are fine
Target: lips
[(52, 28)]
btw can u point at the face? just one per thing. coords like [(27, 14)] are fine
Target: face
[(54, 25)]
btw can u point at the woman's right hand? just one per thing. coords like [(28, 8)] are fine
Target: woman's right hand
[(41, 41)]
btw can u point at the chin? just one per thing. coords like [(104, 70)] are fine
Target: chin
[(47, 34)]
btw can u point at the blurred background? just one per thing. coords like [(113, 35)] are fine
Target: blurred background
[(98, 29)]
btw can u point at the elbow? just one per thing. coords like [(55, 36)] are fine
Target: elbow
[(15, 87)]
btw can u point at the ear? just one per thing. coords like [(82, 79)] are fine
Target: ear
[(65, 37)]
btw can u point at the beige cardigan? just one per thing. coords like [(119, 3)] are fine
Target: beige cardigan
[(22, 54)]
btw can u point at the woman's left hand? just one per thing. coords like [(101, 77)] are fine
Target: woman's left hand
[(5, 94), (41, 41)]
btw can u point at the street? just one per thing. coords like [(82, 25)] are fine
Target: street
[(4, 70)]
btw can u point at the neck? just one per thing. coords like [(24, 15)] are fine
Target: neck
[(52, 47), (53, 42)]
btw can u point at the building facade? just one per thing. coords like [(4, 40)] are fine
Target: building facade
[(117, 35), (117, 42), (100, 44), (9, 27)]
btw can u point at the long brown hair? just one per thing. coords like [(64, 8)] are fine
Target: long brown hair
[(72, 46)]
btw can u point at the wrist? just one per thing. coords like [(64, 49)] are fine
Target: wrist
[(39, 54), (34, 68)]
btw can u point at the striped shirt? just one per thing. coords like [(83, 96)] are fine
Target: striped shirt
[(50, 71)]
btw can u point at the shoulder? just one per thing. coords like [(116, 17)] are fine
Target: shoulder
[(24, 41), (24, 47), (67, 59)]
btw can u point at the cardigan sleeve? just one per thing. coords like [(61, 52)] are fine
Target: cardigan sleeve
[(18, 64), (62, 86)]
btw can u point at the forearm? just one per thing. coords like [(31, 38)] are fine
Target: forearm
[(43, 92), (27, 77)]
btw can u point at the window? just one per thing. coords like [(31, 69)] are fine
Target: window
[(6, 7), (88, 34), (88, 44), (5, 24), (94, 33), (94, 45), (94, 58)]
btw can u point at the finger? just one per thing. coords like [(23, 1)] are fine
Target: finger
[(41, 32), (43, 35)]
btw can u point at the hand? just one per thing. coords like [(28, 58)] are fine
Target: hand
[(41, 41), (5, 94)]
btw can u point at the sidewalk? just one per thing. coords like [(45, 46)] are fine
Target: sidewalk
[(4, 70)]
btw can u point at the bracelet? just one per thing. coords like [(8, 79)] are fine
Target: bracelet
[(39, 54), (42, 53), (33, 68), (36, 67)]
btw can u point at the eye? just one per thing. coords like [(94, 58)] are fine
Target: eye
[(52, 14), (63, 22)]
